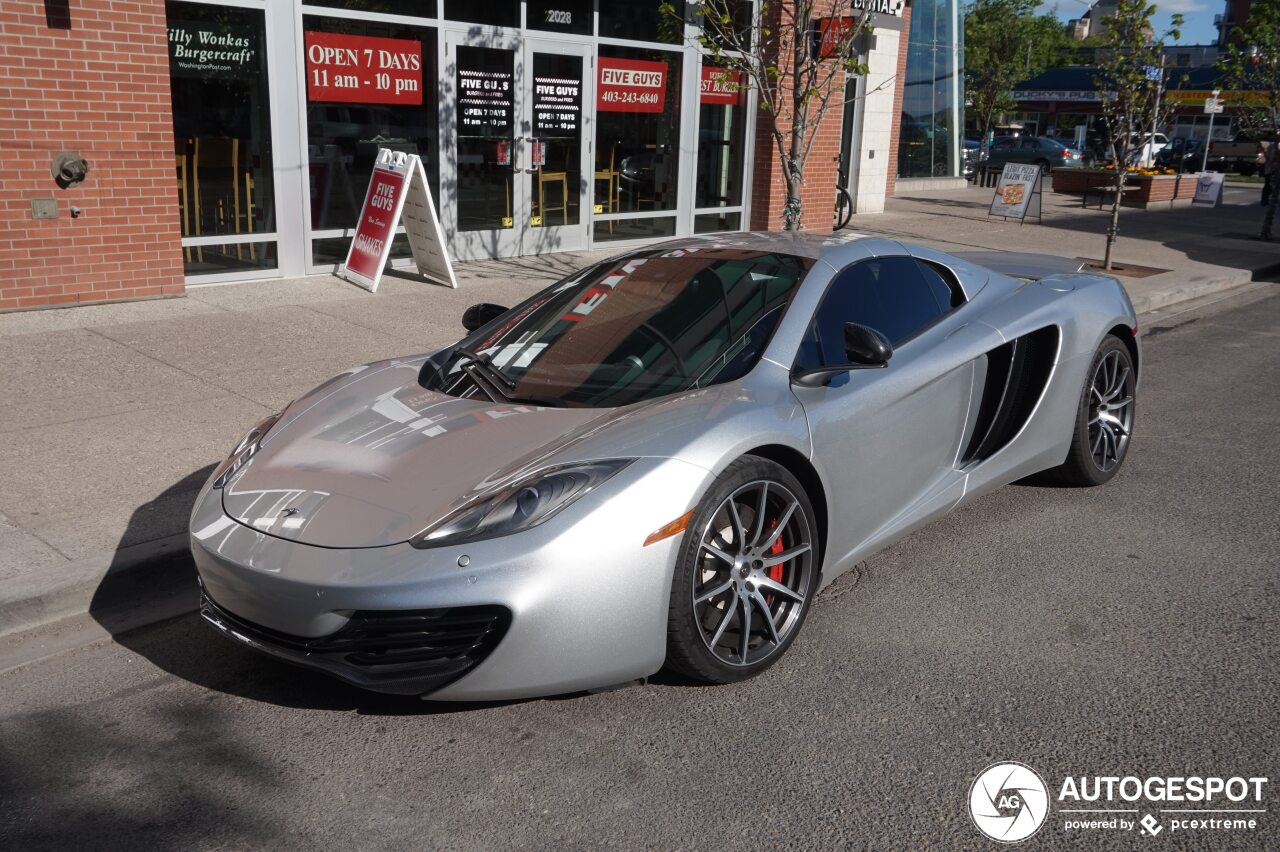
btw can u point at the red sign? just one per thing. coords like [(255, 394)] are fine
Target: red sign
[(834, 34), (720, 86), (631, 85), (373, 236), (363, 69)]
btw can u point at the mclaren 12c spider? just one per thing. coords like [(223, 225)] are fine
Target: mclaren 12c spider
[(657, 461)]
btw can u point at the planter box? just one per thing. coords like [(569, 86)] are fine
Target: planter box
[(1142, 190), (1159, 189)]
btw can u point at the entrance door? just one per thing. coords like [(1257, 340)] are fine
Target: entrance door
[(516, 158)]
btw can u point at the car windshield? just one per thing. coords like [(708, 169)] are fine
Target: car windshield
[(633, 328)]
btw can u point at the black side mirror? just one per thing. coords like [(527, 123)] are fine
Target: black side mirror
[(865, 346), (481, 314)]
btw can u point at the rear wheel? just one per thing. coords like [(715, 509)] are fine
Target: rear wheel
[(1044, 166), (1104, 418), (746, 574)]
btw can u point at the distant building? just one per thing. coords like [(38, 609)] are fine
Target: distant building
[(1094, 21), (1236, 13)]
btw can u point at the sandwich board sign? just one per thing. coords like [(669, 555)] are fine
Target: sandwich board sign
[(1018, 193), (1208, 189), (398, 192)]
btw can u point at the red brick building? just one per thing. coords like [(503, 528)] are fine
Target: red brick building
[(233, 140)]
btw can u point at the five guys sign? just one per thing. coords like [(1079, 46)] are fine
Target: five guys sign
[(363, 69), (631, 85)]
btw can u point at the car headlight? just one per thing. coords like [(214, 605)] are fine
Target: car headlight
[(244, 450), (518, 507)]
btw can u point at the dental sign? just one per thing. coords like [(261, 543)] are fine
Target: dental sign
[(363, 69), (631, 85)]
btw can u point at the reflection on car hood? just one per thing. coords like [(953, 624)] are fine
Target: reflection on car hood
[(372, 459)]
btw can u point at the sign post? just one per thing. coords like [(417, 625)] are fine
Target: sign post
[(1212, 106), (1020, 189), (398, 191)]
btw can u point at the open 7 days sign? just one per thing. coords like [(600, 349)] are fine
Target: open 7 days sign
[(397, 191)]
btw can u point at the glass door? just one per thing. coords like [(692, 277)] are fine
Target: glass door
[(514, 146)]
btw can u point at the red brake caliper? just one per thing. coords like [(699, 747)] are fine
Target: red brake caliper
[(775, 573)]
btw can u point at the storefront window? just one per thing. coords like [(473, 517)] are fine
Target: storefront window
[(931, 117), (721, 147), (641, 20), (495, 13), (417, 8), (222, 134), (369, 86), (637, 130)]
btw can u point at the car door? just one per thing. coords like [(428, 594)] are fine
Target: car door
[(885, 440)]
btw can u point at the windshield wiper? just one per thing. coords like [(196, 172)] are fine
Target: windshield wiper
[(485, 364), (496, 384)]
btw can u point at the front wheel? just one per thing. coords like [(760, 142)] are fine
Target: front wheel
[(745, 576), (1104, 418)]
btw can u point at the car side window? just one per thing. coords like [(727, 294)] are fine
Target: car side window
[(890, 294)]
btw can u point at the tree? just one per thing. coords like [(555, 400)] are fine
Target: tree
[(1004, 44), (1251, 70), (794, 54), (1130, 80)]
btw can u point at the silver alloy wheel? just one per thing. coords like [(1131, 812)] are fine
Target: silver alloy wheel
[(754, 567), (1110, 411)]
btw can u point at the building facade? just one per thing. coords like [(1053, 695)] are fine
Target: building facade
[(232, 140)]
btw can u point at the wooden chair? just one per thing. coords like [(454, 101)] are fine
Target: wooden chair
[(221, 156), (182, 160), (613, 181)]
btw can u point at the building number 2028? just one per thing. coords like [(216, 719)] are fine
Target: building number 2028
[(559, 16)]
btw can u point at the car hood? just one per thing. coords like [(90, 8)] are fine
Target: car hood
[(373, 458)]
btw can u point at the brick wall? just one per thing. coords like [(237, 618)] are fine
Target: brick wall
[(818, 193), (94, 82), (896, 133)]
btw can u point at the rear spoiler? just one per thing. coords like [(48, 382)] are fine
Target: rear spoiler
[(1021, 264)]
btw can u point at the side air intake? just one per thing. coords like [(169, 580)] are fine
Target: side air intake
[(1017, 373)]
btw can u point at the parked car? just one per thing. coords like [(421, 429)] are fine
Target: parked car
[(970, 154), (1187, 155), (658, 460), (1144, 147), (1047, 153), (1244, 154)]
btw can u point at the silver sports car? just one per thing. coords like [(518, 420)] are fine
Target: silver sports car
[(658, 461)]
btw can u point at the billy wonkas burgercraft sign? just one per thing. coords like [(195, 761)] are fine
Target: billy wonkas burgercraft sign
[(211, 50), (363, 69)]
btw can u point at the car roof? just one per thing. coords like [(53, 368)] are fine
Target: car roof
[(810, 244)]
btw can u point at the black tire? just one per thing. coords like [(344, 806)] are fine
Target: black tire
[(695, 628), (1084, 466), (1044, 166)]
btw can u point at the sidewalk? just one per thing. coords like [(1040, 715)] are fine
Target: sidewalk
[(115, 414), (1203, 250)]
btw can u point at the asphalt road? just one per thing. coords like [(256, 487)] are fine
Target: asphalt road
[(1127, 630)]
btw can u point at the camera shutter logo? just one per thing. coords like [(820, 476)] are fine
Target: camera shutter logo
[(1008, 802)]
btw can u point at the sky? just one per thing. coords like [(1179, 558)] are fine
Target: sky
[(1197, 25)]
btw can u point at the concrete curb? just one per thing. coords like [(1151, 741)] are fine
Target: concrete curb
[(154, 581), (108, 585)]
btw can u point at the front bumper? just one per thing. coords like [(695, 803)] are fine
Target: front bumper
[(586, 601), (402, 652)]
